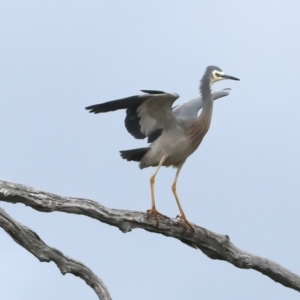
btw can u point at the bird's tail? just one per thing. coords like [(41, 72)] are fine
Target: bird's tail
[(134, 154)]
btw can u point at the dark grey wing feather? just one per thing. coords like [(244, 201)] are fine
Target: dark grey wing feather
[(154, 135), (123, 103), (132, 123), (152, 92), (132, 120)]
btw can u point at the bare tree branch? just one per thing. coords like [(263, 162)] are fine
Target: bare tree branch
[(215, 246), (32, 242)]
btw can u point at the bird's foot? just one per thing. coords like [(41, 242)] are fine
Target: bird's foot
[(156, 214), (186, 223)]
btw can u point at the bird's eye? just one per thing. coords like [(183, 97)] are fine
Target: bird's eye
[(217, 74)]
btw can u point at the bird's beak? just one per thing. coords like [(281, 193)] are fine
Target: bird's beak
[(229, 77)]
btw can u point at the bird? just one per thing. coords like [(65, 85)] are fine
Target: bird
[(174, 133)]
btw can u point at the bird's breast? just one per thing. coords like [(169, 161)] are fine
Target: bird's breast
[(197, 131), (174, 144)]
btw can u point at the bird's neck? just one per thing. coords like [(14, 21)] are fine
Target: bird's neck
[(205, 89), (207, 98), (199, 128)]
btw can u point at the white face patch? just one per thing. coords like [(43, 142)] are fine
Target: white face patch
[(216, 75)]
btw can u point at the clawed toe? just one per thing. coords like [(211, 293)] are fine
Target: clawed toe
[(186, 223), (156, 214)]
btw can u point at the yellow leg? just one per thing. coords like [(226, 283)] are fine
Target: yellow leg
[(182, 215), (153, 209)]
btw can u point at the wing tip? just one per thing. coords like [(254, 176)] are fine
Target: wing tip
[(91, 109), (152, 92)]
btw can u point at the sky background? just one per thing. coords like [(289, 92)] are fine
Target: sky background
[(57, 57)]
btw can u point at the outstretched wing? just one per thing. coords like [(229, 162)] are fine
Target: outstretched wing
[(190, 108), (132, 119), (144, 113)]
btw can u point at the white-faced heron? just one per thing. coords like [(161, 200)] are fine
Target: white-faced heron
[(174, 134)]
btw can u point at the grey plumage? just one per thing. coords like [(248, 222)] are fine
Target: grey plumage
[(174, 132)]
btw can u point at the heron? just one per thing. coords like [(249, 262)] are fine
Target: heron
[(174, 133)]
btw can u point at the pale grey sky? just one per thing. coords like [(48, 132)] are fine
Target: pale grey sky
[(56, 57)]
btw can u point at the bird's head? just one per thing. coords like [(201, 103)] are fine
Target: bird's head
[(215, 74)]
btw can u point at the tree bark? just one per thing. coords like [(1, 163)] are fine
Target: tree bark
[(215, 246), (29, 240)]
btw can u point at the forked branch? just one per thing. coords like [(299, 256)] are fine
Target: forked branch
[(215, 246)]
